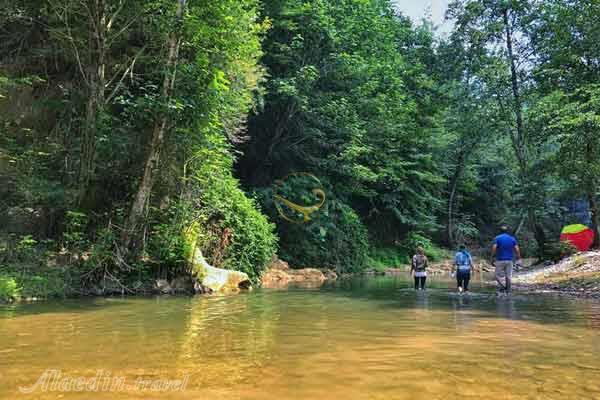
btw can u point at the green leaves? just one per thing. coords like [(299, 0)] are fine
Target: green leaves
[(348, 99)]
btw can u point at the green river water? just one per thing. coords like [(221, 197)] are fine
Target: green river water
[(361, 339)]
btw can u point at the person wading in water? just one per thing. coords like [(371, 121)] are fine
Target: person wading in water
[(463, 263), (419, 268), (503, 255)]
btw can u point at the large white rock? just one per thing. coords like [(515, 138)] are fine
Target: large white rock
[(217, 279), (208, 278)]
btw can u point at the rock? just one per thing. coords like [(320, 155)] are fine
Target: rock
[(330, 275), (208, 278), (96, 291), (275, 278), (218, 280), (113, 287), (369, 271), (279, 274), (162, 285), (484, 266), (182, 284), (307, 274), (277, 264), (22, 221), (199, 289)]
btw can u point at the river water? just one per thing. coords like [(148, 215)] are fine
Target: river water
[(362, 339)]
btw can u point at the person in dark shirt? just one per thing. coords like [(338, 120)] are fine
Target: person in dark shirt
[(419, 268), (504, 249)]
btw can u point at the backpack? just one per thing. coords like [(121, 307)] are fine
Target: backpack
[(419, 262)]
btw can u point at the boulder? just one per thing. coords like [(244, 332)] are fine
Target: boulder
[(330, 275), (22, 221), (277, 264), (209, 279), (275, 278), (162, 285), (484, 266), (307, 274), (218, 280), (279, 274), (182, 284)]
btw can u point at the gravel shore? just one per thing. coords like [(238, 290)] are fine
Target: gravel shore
[(577, 275)]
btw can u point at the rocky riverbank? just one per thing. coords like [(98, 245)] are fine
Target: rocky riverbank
[(279, 275), (577, 275)]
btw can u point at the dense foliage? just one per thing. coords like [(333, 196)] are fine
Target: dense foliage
[(125, 123), (349, 100), (109, 111)]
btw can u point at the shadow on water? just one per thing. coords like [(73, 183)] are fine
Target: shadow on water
[(78, 305)]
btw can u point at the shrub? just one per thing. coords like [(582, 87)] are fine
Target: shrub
[(35, 281), (165, 242), (388, 257), (9, 289), (558, 250), (233, 234), (334, 238), (415, 239), (74, 238)]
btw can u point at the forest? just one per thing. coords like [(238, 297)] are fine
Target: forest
[(124, 123)]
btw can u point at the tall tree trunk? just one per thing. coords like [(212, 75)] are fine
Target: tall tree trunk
[(519, 140), (96, 80), (453, 186), (142, 195)]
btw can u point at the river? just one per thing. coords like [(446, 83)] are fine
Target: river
[(361, 339)]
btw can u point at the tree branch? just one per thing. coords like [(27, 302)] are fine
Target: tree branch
[(130, 68)]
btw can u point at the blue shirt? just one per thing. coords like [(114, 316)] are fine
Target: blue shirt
[(463, 260), (505, 246)]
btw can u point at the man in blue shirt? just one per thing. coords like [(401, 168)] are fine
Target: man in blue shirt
[(503, 255)]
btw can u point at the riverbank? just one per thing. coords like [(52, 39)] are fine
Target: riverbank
[(577, 275)]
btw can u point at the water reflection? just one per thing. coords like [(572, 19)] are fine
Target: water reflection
[(370, 338)]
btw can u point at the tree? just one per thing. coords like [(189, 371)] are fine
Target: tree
[(572, 121), (92, 31), (496, 26), (350, 100), (160, 126), (566, 39)]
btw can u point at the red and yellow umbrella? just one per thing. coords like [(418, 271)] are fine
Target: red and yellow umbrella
[(578, 235)]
